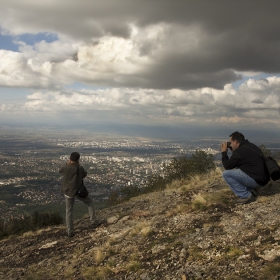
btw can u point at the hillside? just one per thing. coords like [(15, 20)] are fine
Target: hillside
[(191, 230)]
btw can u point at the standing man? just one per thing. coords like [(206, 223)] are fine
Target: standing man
[(73, 174), (245, 169)]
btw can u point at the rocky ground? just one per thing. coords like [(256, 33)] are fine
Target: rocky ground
[(191, 230)]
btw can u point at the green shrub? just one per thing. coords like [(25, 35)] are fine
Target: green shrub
[(125, 193), (30, 222), (114, 198), (186, 167), (181, 168), (156, 183), (129, 191), (39, 220), (265, 151)]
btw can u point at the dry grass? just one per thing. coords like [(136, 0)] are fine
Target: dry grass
[(111, 261), (134, 256), (29, 234), (197, 181), (143, 227), (133, 266), (222, 197), (99, 255), (146, 231), (68, 273), (199, 202), (199, 197), (180, 208), (198, 186), (97, 273), (217, 173), (203, 201), (38, 232), (270, 272), (112, 241), (131, 252), (234, 277), (233, 252), (193, 185), (176, 184), (79, 250), (263, 199), (39, 272), (196, 254)]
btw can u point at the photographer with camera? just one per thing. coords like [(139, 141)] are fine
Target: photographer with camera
[(245, 169)]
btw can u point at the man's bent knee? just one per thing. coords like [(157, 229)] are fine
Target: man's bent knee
[(226, 174)]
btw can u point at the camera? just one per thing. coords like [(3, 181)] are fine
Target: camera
[(228, 146)]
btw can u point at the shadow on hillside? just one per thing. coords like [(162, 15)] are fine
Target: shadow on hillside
[(271, 188)]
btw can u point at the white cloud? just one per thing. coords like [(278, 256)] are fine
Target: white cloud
[(214, 106), (41, 52), (15, 72)]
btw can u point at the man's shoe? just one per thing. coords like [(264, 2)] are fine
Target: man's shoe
[(255, 192), (70, 234), (249, 199)]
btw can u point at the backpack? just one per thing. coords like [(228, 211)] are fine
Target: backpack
[(272, 168)]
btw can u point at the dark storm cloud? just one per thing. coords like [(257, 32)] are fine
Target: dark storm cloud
[(257, 101), (239, 35), (162, 78)]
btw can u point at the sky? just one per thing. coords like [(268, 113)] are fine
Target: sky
[(170, 66)]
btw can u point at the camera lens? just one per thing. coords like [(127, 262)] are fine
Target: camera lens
[(228, 146)]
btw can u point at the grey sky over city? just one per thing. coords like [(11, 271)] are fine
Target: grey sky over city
[(209, 65)]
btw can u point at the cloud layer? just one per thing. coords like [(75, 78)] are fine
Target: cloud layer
[(254, 103), (175, 61)]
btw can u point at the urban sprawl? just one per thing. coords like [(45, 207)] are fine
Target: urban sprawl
[(29, 175)]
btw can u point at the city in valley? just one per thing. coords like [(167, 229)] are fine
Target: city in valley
[(29, 178)]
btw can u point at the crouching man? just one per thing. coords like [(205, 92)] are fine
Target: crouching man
[(245, 169)]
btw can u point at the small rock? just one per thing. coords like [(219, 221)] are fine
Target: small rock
[(145, 276), (48, 245), (270, 255), (112, 220), (243, 257), (123, 219), (158, 248)]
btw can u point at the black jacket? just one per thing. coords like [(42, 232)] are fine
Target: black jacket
[(247, 158), (70, 182)]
